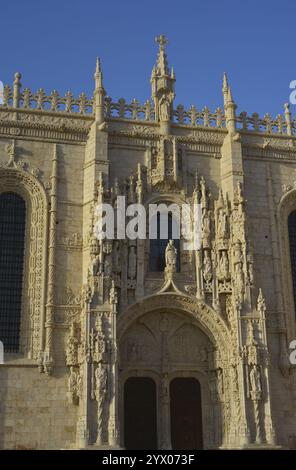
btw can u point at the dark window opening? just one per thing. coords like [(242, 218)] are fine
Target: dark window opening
[(12, 238)]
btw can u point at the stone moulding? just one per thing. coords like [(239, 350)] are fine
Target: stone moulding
[(33, 301)]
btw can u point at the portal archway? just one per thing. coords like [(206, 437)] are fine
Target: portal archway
[(172, 347)]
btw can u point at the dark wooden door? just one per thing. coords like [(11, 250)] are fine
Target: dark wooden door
[(186, 419), (140, 430)]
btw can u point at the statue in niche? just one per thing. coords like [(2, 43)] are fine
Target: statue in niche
[(224, 266), (171, 255), (251, 272), (207, 266), (113, 296), (94, 265), (203, 192), (220, 387), (72, 347), (239, 276), (72, 383), (101, 380), (132, 263), (255, 379), (222, 224), (206, 225), (164, 108)]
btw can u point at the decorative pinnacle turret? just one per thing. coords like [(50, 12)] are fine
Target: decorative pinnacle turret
[(99, 93), (98, 76), (229, 96), (225, 83), (229, 105)]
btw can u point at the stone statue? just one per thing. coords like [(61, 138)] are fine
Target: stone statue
[(207, 266), (164, 108), (171, 255), (132, 263), (113, 297), (206, 226), (101, 380), (224, 266), (94, 265), (203, 192), (222, 224), (72, 348), (255, 379)]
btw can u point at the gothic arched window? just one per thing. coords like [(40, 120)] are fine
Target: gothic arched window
[(12, 241), (292, 241), (158, 246)]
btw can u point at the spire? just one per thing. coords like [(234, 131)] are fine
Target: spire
[(162, 63), (225, 88), (98, 76), (229, 96), (229, 105), (99, 93)]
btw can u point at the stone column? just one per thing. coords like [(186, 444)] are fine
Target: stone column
[(165, 436)]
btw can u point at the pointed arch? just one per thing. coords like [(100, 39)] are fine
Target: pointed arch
[(208, 320)]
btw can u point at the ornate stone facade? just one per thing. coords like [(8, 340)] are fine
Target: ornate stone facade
[(93, 315)]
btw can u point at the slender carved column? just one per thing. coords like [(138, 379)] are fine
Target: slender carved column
[(49, 324), (82, 436), (113, 410), (165, 418)]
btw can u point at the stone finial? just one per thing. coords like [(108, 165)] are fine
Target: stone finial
[(16, 89), (288, 118), (99, 94), (229, 106), (98, 76), (162, 63)]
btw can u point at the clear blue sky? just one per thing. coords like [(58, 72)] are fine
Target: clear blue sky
[(54, 45)]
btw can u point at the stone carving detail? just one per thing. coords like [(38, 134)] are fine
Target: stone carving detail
[(132, 263)]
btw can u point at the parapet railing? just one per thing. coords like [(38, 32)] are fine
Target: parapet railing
[(280, 125), (14, 97), (203, 118), (53, 102)]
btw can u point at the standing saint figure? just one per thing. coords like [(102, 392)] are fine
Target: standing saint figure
[(171, 255), (164, 108)]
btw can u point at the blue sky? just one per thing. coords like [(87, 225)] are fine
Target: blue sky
[(54, 45)]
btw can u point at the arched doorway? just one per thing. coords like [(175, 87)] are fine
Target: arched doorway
[(185, 411), (140, 429)]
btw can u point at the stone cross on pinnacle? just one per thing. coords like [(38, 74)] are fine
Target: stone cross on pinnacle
[(162, 41)]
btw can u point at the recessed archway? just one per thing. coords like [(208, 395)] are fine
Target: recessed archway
[(170, 346)]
